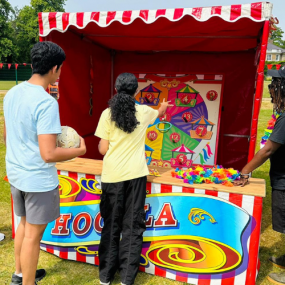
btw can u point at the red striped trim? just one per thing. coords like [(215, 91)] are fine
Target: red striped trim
[(228, 281), (204, 281), (211, 193), (13, 220), (166, 188), (80, 257), (188, 190), (73, 175), (160, 272), (178, 13), (256, 11), (65, 20), (236, 199), (79, 19), (144, 14), (90, 176), (181, 278), (41, 25), (142, 268), (63, 254), (52, 20), (95, 16), (254, 242), (49, 249), (127, 16), (209, 77), (96, 260), (197, 12), (216, 10), (110, 17), (160, 12), (235, 12), (148, 188)]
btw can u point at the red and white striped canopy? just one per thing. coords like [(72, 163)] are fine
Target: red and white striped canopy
[(59, 21)]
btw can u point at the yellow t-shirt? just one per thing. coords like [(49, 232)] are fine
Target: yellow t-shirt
[(125, 158)]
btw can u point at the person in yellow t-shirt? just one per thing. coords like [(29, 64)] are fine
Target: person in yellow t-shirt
[(122, 129)]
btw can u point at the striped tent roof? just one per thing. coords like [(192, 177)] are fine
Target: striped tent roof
[(150, 88), (202, 121), (187, 89), (183, 148), (60, 21)]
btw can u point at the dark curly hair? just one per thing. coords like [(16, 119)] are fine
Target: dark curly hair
[(46, 55), (277, 92), (122, 105)]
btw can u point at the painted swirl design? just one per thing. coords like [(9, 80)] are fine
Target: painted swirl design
[(193, 255)]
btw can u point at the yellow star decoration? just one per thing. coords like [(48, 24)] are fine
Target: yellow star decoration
[(160, 162)]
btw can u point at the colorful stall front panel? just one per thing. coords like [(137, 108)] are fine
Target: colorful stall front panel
[(194, 236)]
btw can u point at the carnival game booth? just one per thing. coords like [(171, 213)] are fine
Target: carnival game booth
[(209, 62)]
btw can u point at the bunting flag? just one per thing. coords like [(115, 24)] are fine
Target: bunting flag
[(1, 65), (209, 150), (278, 66), (16, 65), (9, 65), (205, 156), (202, 161), (24, 64)]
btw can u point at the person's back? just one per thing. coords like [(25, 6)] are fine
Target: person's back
[(29, 111), (122, 129), (125, 158)]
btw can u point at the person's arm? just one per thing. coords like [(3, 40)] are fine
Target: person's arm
[(260, 157), (163, 107), (103, 132), (103, 146), (4, 133), (51, 153)]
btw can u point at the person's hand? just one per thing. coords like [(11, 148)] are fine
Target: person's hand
[(82, 146), (166, 104), (242, 182)]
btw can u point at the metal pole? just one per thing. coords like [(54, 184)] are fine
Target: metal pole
[(16, 75)]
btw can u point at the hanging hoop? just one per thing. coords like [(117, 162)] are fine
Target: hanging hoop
[(166, 129)]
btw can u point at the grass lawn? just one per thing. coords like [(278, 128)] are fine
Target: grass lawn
[(6, 85), (265, 89), (62, 272)]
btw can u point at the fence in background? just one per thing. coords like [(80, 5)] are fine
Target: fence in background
[(15, 72)]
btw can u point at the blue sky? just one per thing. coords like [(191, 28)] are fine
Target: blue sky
[(119, 5)]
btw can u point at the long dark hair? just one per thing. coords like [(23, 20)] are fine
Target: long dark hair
[(122, 105), (277, 92)]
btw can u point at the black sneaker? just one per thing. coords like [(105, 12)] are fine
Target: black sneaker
[(278, 261), (16, 280)]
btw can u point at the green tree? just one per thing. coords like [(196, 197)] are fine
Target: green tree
[(7, 47), (27, 27), (277, 37)]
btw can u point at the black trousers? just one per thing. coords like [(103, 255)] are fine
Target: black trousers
[(122, 208)]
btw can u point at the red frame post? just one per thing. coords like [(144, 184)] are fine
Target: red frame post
[(259, 91)]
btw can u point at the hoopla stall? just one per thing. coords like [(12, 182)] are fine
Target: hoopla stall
[(209, 62)]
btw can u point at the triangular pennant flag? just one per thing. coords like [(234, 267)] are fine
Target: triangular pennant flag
[(24, 64), (269, 66), (278, 66), (1, 65), (202, 161), (9, 65), (209, 150), (16, 65), (205, 155)]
